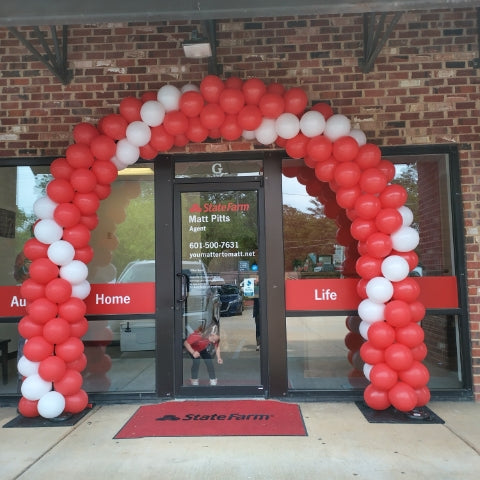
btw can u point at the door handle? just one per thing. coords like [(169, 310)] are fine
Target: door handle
[(183, 287)]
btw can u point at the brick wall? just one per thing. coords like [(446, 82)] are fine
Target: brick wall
[(422, 90)]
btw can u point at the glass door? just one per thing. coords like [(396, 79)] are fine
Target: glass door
[(218, 288)]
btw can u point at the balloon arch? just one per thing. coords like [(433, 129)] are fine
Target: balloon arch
[(342, 170)]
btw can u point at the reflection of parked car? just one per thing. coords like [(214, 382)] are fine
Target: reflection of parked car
[(231, 299)]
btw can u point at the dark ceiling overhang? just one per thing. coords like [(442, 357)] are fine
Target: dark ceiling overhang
[(75, 12)]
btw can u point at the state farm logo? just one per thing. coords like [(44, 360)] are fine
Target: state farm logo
[(219, 207), (216, 416)]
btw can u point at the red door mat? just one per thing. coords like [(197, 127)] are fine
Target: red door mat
[(215, 418)]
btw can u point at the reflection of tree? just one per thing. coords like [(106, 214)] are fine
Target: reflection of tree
[(407, 176), (304, 233)]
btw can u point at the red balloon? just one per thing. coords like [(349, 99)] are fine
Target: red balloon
[(147, 96), (102, 191), (249, 118), (84, 133), (234, 82), (402, 397), (361, 229), (407, 290), (230, 130), (296, 147), (417, 376), (397, 313), (27, 328), (87, 203), (373, 181), (114, 126), (191, 103), (70, 383), (103, 147), (28, 408), (387, 168), (369, 156), (58, 290), (79, 155), (370, 354), (160, 139), (42, 270), (353, 341), (375, 398), (60, 190), (231, 100), (324, 108), (367, 206), (383, 377), (67, 215), (78, 235), (83, 180), (72, 310), (320, 148), (388, 220), (147, 152), (275, 87), (37, 349), (212, 116), (398, 356), (379, 245), (305, 175), (70, 350), (180, 140), (393, 196), (253, 90), (175, 122), (79, 364), (77, 402), (105, 172), (423, 396), (211, 87), (417, 310), (79, 329), (196, 132), (60, 168), (345, 149), (419, 352), (34, 249), (84, 254), (272, 105), (369, 267), (346, 174), (295, 100), (346, 197), (290, 172), (361, 288), (381, 335), (324, 170), (130, 109), (52, 368)]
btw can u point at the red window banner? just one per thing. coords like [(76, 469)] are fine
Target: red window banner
[(338, 294), (104, 299)]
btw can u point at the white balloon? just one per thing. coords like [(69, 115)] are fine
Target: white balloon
[(407, 215), (48, 231), (26, 367), (120, 165), (127, 153), (152, 113), (61, 252), (363, 329), (81, 290), (34, 387), (169, 97), (249, 135), (74, 272), (287, 125), (367, 368), (379, 290), (51, 405), (395, 268), (266, 133), (370, 311), (405, 239), (312, 123), (44, 207), (190, 87), (138, 133), (337, 126), (359, 136)]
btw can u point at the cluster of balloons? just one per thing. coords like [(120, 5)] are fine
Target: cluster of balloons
[(344, 172)]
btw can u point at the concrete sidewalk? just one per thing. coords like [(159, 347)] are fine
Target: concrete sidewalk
[(341, 444)]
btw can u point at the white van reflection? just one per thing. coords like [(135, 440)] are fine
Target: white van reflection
[(201, 307)]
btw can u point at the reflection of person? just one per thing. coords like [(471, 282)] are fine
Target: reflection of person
[(198, 346), (256, 316), (20, 269)]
